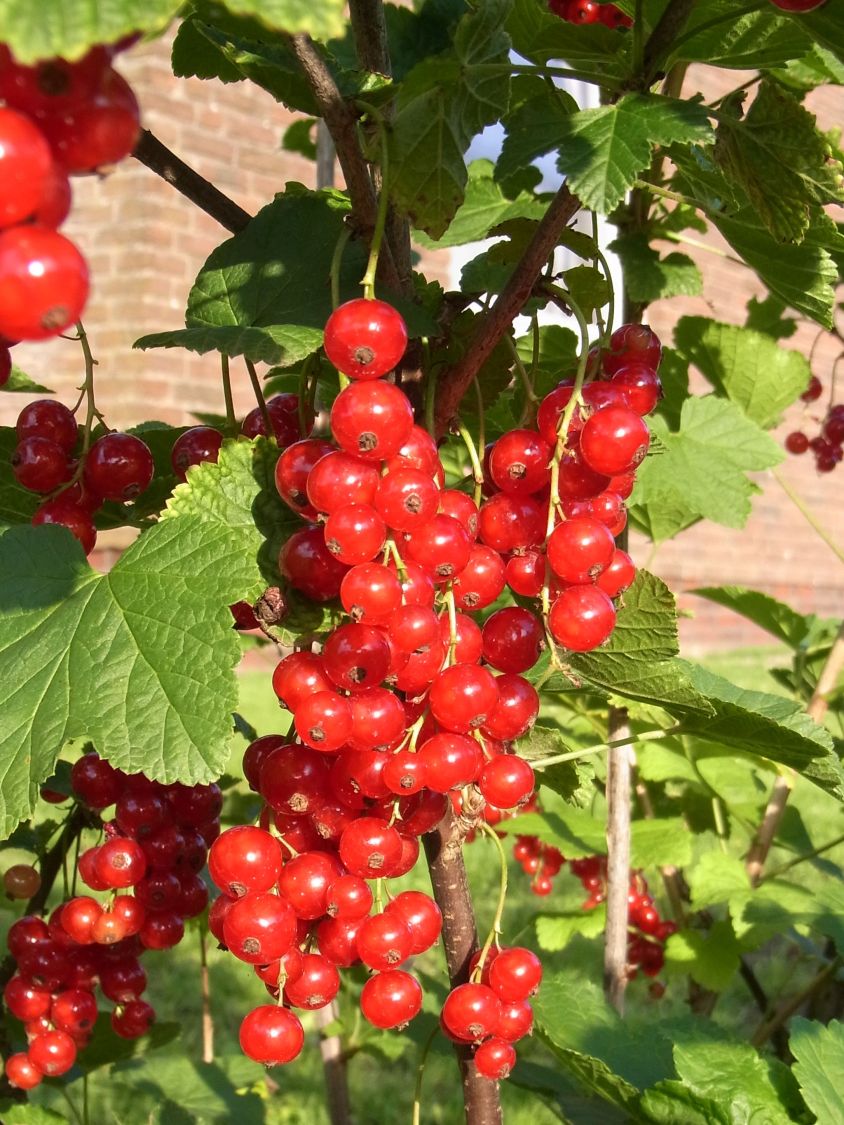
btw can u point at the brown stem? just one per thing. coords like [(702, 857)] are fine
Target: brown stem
[(455, 381), (618, 860), (369, 28), (342, 123), (783, 785), (460, 940), (159, 159), (671, 23), (334, 1067), (786, 1010)]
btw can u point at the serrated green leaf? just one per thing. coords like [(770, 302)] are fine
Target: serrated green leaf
[(589, 287), (649, 276), (20, 383), (299, 137), (574, 831), (751, 369), (533, 130), (21, 1113), (715, 879), (320, 21), (203, 1090), (778, 905), (773, 616), (540, 35), (69, 27), (767, 316), (780, 159), (717, 36), (17, 505), (803, 276), (660, 842), (441, 105), (672, 1103), (733, 1073), (703, 471), (555, 931), (280, 344), (106, 1049), (636, 662), (768, 726), (819, 1066), (604, 150), (484, 207), (140, 660), (825, 26), (635, 1053), (710, 957), (556, 356)]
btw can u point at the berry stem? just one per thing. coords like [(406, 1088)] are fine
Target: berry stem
[(336, 261), (600, 258), (91, 412), (495, 929), (368, 281), (259, 396), (452, 626), (531, 401), (600, 747), (477, 468), (231, 419), (307, 392)]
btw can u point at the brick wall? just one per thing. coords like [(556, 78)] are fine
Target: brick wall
[(145, 244)]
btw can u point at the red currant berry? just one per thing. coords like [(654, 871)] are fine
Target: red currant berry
[(120, 862), (515, 1022), (317, 985), (384, 941), (618, 576), (48, 419), (43, 283), (370, 848), (450, 761), (99, 132), (200, 443), (470, 1012), (365, 338), (507, 781), (133, 1019), (259, 928), (24, 1000), (516, 710), (25, 166), (271, 1035), (21, 1072), (481, 581), (406, 499), (582, 618), (462, 697), (309, 566), (118, 467), (515, 974), (244, 859), (355, 533), (293, 469), (797, 5), (422, 917), (74, 1011), (52, 1053), (283, 411), (371, 420), (323, 721), (39, 464), (304, 882), (641, 386), (513, 640), (63, 513), (391, 999), (338, 479), (520, 462), (580, 549), (495, 1058), (632, 343), (296, 677), (510, 523)]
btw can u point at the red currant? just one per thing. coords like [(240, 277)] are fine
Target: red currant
[(582, 618), (365, 338), (271, 1035), (370, 420), (391, 999)]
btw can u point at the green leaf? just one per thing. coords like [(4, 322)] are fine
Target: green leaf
[(779, 158), (604, 150), (710, 957), (555, 931), (636, 1053), (768, 726), (140, 660), (702, 472), (484, 207), (777, 906), (541, 36), (17, 505), (745, 42), (650, 277), (825, 26), (320, 21), (19, 382), (105, 1048), (774, 616), (533, 129), (574, 831), (299, 137), (264, 293), (672, 1103), (803, 276), (442, 103), (589, 288), (751, 369), (636, 662), (69, 27), (659, 842), (201, 1090), (22, 1113), (819, 1066), (732, 1073), (715, 878)]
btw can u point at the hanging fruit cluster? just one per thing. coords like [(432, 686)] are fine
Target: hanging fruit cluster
[(589, 11), (57, 119), (149, 863), (827, 445)]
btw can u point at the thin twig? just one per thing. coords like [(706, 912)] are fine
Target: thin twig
[(159, 159), (783, 785), (661, 40), (618, 862), (454, 381), (809, 516), (205, 988), (786, 1010)]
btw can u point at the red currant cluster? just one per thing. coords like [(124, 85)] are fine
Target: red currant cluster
[(828, 443), (156, 845), (589, 11), (58, 119), (48, 458), (648, 932)]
